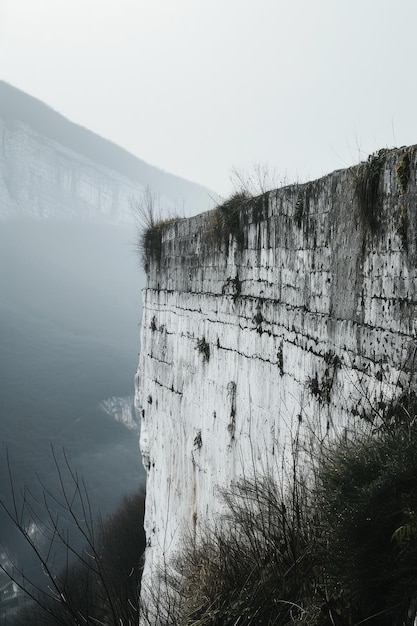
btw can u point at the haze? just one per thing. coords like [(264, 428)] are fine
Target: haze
[(200, 87)]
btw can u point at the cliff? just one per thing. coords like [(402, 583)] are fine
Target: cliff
[(293, 316)]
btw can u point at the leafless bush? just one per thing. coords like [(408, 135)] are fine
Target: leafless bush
[(367, 181), (100, 581), (255, 567), (256, 181)]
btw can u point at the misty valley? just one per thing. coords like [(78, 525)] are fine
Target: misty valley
[(69, 339)]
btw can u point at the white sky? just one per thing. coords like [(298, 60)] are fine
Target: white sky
[(198, 87)]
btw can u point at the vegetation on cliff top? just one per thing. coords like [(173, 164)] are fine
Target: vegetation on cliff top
[(150, 227)]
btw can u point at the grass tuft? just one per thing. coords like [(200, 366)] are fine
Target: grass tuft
[(367, 178), (151, 226), (225, 220)]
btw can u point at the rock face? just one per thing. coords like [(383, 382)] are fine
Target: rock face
[(44, 179), (122, 410), (292, 317)]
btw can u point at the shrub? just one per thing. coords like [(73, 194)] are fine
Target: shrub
[(150, 227), (402, 172), (151, 242), (256, 566), (257, 180), (368, 497), (367, 178), (224, 221), (100, 582)]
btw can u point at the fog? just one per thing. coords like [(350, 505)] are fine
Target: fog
[(69, 337), (199, 88), (70, 313)]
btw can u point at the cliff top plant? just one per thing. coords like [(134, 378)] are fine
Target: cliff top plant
[(367, 179), (225, 222), (402, 172), (150, 226), (251, 189), (257, 180)]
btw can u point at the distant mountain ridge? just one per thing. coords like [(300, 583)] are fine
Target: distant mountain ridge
[(20, 112)]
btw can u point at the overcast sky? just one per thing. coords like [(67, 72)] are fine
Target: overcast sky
[(198, 87)]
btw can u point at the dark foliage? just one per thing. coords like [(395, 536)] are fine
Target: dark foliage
[(225, 220), (151, 242), (368, 497), (367, 179), (150, 227), (100, 581), (256, 567), (123, 543), (204, 348), (402, 172)]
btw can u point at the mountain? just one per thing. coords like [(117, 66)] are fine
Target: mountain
[(51, 167)]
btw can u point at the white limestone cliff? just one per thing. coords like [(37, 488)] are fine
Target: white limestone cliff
[(301, 323)]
